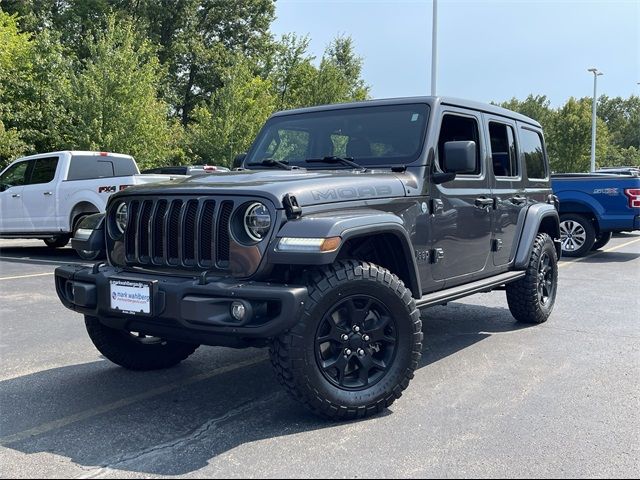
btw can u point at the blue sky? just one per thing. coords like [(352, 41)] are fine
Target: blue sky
[(488, 50)]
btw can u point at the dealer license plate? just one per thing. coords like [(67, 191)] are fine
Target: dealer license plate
[(132, 297)]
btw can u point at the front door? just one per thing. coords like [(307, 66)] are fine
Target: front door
[(508, 188), (462, 208), (39, 196), (11, 189)]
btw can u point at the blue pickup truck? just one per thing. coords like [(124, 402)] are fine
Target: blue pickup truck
[(593, 206)]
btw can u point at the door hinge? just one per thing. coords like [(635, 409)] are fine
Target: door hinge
[(496, 245), (436, 206), (437, 255)]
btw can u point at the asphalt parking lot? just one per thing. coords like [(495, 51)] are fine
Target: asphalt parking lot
[(491, 397)]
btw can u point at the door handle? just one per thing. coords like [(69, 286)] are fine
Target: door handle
[(48, 193), (518, 200), (484, 202), (16, 195)]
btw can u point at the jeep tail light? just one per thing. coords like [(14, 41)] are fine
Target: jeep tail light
[(634, 197)]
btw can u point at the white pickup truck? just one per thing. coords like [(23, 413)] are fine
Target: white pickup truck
[(46, 195)]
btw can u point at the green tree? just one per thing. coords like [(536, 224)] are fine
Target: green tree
[(569, 137), (230, 123), (622, 117), (15, 63), (113, 102), (534, 106)]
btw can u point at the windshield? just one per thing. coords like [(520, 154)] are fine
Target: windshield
[(371, 136)]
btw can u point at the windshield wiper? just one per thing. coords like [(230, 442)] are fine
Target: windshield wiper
[(332, 159), (270, 162)]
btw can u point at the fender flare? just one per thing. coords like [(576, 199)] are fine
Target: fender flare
[(348, 226), (534, 218)]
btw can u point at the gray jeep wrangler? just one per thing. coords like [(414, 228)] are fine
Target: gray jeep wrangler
[(337, 227)]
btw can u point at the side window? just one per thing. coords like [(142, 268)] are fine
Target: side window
[(503, 150), (533, 153), (88, 167), (458, 128), (44, 170), (14, 176)]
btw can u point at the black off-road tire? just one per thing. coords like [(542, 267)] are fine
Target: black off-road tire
[(294, 356), (601, 240), (523, 296), (57, 242), (125, 349), (583, 224), (89, 255)]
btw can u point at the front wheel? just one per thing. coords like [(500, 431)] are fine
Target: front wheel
[(531, 298), (134, 350), (357, 345)]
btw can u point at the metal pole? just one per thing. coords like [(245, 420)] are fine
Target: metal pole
[(596, 73), (434, 48)]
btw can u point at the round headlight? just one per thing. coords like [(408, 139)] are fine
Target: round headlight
[(121, 217), (257, 221)]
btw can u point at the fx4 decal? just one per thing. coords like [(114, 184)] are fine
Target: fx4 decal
[(107, 189)]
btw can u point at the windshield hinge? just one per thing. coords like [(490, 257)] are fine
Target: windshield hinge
[(291, 207)]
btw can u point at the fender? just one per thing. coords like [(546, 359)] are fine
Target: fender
[(535, 216), (347, 225), (587, 202)]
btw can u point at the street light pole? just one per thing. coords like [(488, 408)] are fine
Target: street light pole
[(596, 74), (434, 48)]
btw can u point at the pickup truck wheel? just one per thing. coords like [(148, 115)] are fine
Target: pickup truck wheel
[(357, 344), (577, 235), (601, 240), (531, 298), (57, 242), (135, 351)]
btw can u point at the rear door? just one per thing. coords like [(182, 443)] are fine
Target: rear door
[(11, 189), (508, 187), (462, 213), (40, 196)]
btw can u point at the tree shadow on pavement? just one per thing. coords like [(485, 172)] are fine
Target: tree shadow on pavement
[(104, 417)]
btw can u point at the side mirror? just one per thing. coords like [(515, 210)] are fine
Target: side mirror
[(237, 161), (460, 157)]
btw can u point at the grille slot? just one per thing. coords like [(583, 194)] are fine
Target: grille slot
[(223, 233), (183, 232), (207, 226)]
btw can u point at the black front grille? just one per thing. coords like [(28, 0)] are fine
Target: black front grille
[(178, 232)]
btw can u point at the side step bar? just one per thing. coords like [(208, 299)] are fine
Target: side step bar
[(454, 293)]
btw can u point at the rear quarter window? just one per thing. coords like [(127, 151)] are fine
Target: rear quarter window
[(532, 148), (87, 167)]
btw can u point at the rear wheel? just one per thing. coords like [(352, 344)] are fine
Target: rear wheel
[(357, 345), (601, 240), (134, 350), (531, 298), (577, 234), (57, 242)]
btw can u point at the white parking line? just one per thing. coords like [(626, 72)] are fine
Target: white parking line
[(564, 263), (26, 276)]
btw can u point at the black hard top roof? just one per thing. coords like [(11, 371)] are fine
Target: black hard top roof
[(447, 101)]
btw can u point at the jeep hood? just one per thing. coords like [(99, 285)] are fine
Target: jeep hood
[(308, 186)]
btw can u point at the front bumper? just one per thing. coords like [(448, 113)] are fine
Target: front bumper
[(185, 308)]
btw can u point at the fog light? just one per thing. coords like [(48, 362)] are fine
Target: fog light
[(238, 311)]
